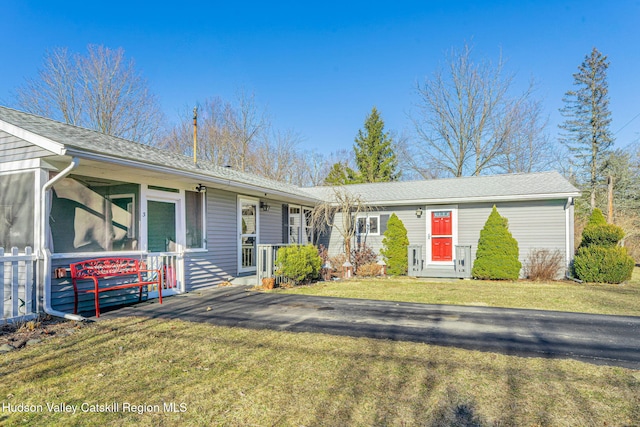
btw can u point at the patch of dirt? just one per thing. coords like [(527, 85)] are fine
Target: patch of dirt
[(30, 332)]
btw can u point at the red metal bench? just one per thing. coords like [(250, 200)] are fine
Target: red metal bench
[(111, 268)]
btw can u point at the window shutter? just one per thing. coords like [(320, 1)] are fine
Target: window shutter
[(383, 223), (285, 223)]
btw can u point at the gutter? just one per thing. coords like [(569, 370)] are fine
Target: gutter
[(45, 254), (203, 176)]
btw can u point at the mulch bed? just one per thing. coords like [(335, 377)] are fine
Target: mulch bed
[(21, 334)]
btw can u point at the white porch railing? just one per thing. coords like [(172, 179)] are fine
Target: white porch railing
[(248, 252), (267, 261), (17, 284), (171, 266)]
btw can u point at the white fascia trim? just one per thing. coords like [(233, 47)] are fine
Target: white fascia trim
[(513, 198), (191, 175), (34, 138)]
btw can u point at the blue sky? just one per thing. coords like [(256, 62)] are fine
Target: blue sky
[(319, 68)]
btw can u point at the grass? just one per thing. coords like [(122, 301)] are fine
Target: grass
[(560, 296), (231, 376)]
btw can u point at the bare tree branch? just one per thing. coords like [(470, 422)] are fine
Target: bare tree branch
[(466, 120), (100, 91)]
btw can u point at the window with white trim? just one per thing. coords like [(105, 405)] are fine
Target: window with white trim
[(369, 225), (194, 209), (300, 225), (294, 224), (307, 214)]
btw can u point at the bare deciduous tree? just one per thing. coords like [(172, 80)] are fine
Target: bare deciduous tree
[(277, 157), (100, 91), (240, 136), (527, 147), (215, 135), (248, 125), (338, 214), (466, 117)]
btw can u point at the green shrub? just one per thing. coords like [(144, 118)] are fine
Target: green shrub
[(299, 263), (603, 264), (395, 247), (599, 258), (597, 218), (607, 235), (497, 254)]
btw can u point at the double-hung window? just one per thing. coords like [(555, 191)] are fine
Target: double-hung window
[(368, 225)]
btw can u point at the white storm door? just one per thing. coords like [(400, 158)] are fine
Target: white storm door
[(248, 225)]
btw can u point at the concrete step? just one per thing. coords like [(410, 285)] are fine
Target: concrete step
[(245, 280)]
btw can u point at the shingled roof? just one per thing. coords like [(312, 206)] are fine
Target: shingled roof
[(76, 141), (542, 185), (79, 141)]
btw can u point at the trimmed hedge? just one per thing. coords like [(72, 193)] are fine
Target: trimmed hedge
[(607, 235), (395, 249), (602, 264), (497, 254), (299, 263), (599, 258)]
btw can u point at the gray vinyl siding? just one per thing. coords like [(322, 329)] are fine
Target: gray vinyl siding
[(271, 223), (62, 291), (534, 224), (416, 230), (13, 148), (220, 261)]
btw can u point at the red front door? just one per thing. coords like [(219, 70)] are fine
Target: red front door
[(441, 236)]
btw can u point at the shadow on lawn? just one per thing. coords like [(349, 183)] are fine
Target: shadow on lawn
[(377, 382)]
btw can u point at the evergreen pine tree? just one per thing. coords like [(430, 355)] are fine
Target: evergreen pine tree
[(587, 134), (341, 174), (373, 150), (395, 247), (497, 254)]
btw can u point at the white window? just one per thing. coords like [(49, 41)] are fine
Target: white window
[(308, 225), (194, 207), (369, 225), (300, 225), (294, 224)]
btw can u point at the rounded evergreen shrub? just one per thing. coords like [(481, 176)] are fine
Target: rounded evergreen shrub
[(602, 264), (395, 247), (599, 258), (607, 235), (497, 254), (299, 263), (597, 218)]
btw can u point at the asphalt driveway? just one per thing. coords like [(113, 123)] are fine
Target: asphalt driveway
[(598, 339)]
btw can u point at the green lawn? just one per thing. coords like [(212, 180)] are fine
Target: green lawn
[(238, 377), (562, 296)]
